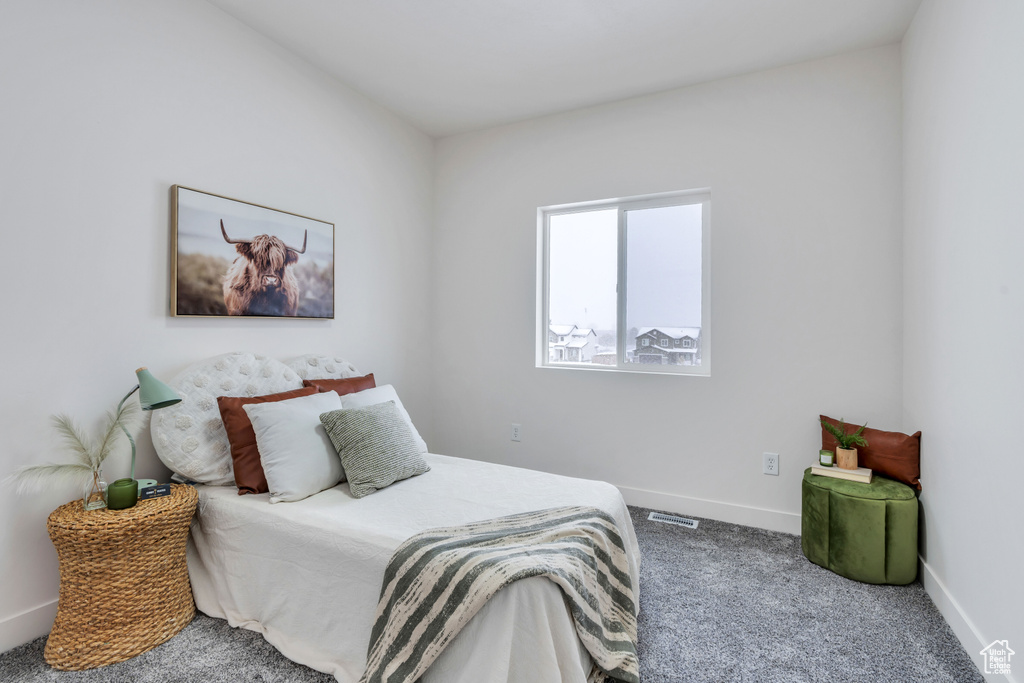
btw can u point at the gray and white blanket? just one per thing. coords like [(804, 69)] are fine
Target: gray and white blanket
[(438, 579)]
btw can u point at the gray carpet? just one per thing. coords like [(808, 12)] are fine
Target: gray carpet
[(719, 603), (732, 603)]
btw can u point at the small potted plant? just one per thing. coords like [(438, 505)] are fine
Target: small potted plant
[(846, 452)]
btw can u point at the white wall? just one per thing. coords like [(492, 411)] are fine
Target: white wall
[(804, 164), (104, 106), (964, 298)]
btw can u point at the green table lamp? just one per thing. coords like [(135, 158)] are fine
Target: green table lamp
[(153, 395)]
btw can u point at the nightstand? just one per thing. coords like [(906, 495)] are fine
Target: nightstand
[(124, 585)]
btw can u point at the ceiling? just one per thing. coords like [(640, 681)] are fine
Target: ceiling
[(450, 66)]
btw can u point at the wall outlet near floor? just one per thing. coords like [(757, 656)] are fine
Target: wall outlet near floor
[(770, 463), (516, 432)]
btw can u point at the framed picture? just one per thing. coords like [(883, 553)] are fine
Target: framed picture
[(234, 258)]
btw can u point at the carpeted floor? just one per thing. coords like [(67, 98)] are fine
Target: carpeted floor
[(719, 603), (734, 603)]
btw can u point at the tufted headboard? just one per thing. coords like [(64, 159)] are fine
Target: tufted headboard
[(189, 437), (321, 367)]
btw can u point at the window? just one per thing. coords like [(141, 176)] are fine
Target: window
[(631, 270)]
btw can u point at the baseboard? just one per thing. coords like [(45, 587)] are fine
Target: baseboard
[(28, 625), (773, 520), (963, 628)]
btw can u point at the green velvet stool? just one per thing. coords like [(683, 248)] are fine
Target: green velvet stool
[(865, 532)]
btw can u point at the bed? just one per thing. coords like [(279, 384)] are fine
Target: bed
[(307, 574)]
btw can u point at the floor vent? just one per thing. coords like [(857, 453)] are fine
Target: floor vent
[(672, 519)]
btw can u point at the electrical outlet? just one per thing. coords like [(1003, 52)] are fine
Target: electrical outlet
[(516, 432), (770, 463)]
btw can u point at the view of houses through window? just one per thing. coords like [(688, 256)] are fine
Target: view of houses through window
[(648, 345), (655, 246)]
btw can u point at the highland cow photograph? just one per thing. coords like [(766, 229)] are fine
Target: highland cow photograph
[(233, 258)]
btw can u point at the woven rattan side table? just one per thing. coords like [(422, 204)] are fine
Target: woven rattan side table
[(124, 585)]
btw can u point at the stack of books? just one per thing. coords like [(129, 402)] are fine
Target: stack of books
[(861, 474)]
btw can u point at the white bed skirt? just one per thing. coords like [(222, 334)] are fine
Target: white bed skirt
[(307, 574)]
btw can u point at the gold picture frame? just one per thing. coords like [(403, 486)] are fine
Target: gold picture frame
[(232, 258)]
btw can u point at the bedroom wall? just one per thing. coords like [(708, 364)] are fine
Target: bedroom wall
[(804, 165), (107, 104), (964, 293)]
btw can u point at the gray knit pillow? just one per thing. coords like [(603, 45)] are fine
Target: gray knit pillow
[(376, 446)]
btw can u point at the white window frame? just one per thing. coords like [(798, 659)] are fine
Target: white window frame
[(622, 205)]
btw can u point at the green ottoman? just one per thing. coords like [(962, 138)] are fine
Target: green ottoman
[(865, 532)]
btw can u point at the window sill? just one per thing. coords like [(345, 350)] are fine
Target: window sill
[(591, 367)]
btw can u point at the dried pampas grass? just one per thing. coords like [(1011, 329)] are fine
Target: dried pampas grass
[(88, 455)]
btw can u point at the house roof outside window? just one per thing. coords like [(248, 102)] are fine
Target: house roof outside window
[(674, 332)]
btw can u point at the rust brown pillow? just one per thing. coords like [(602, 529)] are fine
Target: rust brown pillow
[(245, 457), (891, 454), (348, 385)]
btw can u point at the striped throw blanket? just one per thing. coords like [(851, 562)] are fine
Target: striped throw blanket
[(438, 579)]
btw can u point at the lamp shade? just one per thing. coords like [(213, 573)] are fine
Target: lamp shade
[(154, 394)]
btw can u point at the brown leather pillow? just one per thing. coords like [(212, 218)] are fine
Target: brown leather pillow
[(245, 457), (891, 454), (349, 385)]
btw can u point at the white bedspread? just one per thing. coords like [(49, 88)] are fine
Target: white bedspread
[(307, 574)]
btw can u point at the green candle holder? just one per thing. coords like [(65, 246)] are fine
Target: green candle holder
[(826, 457), (122, 494)]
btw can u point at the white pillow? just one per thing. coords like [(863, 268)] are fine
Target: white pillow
[(298, 457), (371, 397)]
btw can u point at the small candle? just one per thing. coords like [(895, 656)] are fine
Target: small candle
[(122, 494), (825, 457)]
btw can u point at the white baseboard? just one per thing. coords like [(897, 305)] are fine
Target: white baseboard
[(963, 628), (28, 625), (773, 520)]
